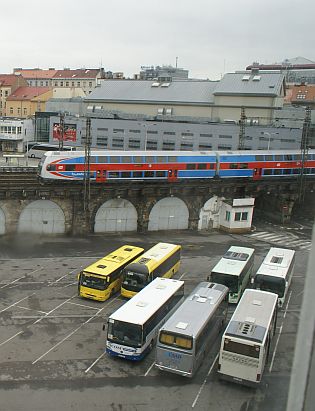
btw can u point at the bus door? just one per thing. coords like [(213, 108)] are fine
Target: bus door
[(100, 176), (172, 175), (257, 173)]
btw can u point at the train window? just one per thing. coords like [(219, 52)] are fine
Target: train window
[(288, 157), (260, 158), (138, 159), (296, 171), (161, 159), (211, 166), (287, 171), (126, 159), (298, 157), (233, 165), (113, 174), (191, 167), (114, 159), (172, 159), (160, 174), (51, 167), (137, 174), (243, 165), (125, 174), (70, 167), (278, 157), (201, 166), (268, 158), (149, 174), (93, 160), (277, 171), (150, 160), (102, 159), (267, 172)]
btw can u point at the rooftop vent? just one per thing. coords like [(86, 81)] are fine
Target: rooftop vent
[(246, 77), (155, 84), (256, 78)]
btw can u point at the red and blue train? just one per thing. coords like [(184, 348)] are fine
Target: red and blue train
[(113, 166)]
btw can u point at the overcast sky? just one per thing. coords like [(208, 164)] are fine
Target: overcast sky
[(209, 37)]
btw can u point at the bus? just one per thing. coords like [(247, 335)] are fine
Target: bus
[(103, 278), (234, 271), (162, 260), (246, 341), (191, 331), (275, 273), (132, 329), (39, 149)]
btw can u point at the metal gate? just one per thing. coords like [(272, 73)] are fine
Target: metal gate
[(169, 214), (2, 222), (116, 215), (42, 217)]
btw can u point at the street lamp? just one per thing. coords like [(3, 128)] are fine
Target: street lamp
[(269, 139), (146, 126)]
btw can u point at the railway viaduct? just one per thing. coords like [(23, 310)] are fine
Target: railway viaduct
[(25, 203)]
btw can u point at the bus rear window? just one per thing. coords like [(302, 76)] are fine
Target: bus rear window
[(178, 341), (239, 348)]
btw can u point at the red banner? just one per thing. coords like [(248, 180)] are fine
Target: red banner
[(69, 132)]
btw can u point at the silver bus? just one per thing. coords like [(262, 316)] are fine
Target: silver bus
[(186, 336)]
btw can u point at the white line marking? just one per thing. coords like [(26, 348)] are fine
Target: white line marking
[(280, 331), (258, 234), (83, 305), (97, 360), (11, 338), (31, 309), (12, 282), (182, 275), (12, 305), (204, 382), (149, 369), (58, 306)]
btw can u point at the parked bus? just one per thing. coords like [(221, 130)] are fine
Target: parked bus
[(103, 278), (246, 341), (234, 271), (275, 273), (39, 149), (162, 260), (187, 335), (133, 328)]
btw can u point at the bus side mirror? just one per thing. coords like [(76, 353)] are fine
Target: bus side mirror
[(103, 327)]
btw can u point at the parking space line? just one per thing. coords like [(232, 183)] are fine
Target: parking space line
[(58, 306), (12, 305), (149, 369), (11, 338), (182, 275), (204, 382), (31, 309), (279, 335), (97, 360), (72, 332), (83, 305), (12, 282)]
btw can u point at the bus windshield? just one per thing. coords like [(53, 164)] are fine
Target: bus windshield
[(134, 279), (93, 282), (230, 281), (124, 333), (268, 283), (243, 349)]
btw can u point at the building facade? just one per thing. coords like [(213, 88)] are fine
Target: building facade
[(8, 84), (25, 101)]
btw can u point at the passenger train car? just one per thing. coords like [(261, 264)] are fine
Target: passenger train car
[(173, 166)]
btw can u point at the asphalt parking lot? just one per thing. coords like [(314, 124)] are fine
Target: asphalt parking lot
[(52, 343)]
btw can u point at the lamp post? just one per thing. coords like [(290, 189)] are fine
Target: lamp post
[(269, 139), (146, 126)]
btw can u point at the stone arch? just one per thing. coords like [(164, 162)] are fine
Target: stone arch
[(209, 214), (42, 217), (116, 215), (170, 213), (2, 222)]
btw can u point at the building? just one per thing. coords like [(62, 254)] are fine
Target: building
[(14, 132), (162, 73), (8, 84), (302, 95), (25, 101)]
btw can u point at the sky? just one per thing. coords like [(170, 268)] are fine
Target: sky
[(206, 37)]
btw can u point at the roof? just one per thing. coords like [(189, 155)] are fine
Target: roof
[(186, 91), (250, 83), (147, 301), (237, 259), (36, 74), (277, 262), (303, 93), (194, 312), (8, 79), (27, 93), (76, 74)]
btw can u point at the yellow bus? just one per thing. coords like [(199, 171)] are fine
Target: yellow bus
[(103, 278), (162, 260)]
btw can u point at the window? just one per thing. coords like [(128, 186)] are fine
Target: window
[(151, 145), (118, 130), (191, 167), (61, 83), (224, 136), (205, 135), (169, 133), (187, 134), (78, 84), (72, 83), (67, 83), (90, 84), (241, 216), (24, 111), (224, 147), (11, 110), (134, 131), (205, 147), (227, 216), (202, 166), (56, 83), (152, 132)]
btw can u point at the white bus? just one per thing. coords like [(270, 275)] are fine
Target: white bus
[(39, 149), (192, 329), (275, 273), (133, 328), (246, 341), (234, 271)]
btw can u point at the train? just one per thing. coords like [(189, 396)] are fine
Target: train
[(172, 166)]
